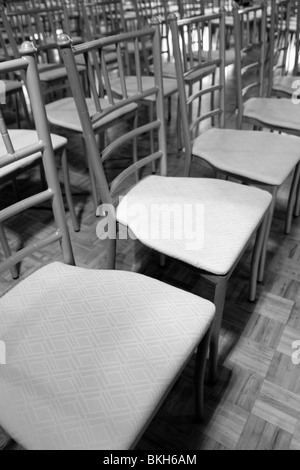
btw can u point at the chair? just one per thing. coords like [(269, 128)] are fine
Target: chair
[(254, 108), (145, 10), (118, 23), (14, 88), (90, 354), (63, 114), (41, 26), (164, 212), (281, 81), (262, 158), (100, 19)]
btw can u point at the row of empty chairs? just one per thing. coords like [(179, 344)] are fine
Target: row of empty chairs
[(119, 340)]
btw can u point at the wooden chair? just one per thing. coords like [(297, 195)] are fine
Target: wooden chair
[(254, 107), (261, 158), (90, 354), (232, 212)]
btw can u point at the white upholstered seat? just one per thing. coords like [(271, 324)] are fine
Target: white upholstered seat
[(90, 353), (28, 137), (228, 209), (63, 113), (264, 157), (276, 113)]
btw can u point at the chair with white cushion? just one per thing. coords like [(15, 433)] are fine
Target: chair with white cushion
[(262, 158), (281, 79), (254, 106), (89, 354), (207, 224)]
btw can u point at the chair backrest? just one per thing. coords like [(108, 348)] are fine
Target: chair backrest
[(278, 38), (250, 30), (197, 55), (43, 146), (189, 8), (102, 18), (41, 26), (145, 10), (295, 28), (155, 88)]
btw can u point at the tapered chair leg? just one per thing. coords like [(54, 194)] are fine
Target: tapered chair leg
[(219, 301), (256, 257), (199, 372), (7, 252), (297, 205), (262, 262), (111, 253), (292, 202)]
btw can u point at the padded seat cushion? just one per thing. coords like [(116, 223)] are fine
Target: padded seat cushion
[(261, 156), (18, 138), (64, 113), (279, 113), (90, 354), (231, 213)]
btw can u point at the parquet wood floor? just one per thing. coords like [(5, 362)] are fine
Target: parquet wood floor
[(255, 404)]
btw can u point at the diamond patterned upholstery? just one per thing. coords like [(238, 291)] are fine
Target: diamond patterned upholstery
[(231, 214), (91, 354), (271, 157)]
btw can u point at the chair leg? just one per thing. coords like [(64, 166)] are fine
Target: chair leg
[(7, 252), (43, 176), (297, 205), (292, 198), (27, 116), (111, 253), (256, 256), (169, 108), (66, 176), (262, 261), (219, 301), (201, 359)]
